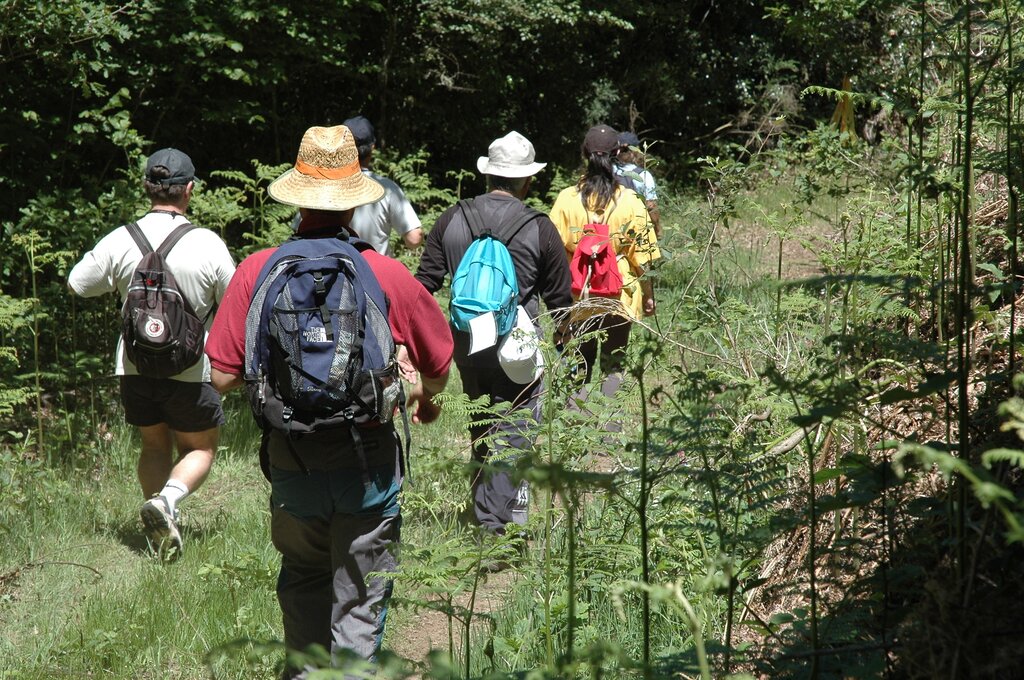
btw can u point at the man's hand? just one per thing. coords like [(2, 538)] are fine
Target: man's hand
[(420, 401), (421, 405), (648, 292), (405, 367)]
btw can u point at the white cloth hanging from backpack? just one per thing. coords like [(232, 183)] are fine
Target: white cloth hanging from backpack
[(519, 353)]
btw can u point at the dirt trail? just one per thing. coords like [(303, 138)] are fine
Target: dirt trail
[(754, 240), (428, 630)]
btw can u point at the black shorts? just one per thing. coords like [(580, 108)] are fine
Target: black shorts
[(183, 406)]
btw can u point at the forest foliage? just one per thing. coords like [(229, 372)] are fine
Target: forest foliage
[(821, 473)]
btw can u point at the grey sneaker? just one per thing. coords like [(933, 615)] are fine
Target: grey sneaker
[(161, 528)]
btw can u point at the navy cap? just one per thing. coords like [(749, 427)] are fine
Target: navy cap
[(361, 129), (628, 139), (179, 167)]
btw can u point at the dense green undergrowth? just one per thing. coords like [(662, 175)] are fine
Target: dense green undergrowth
[(778, 491), (816, 472)]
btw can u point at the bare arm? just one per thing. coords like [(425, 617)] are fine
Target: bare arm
[(413, 239), (423, 389), (652, 210), (224, 382)]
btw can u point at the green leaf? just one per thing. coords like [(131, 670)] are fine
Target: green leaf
[(1014, 457), (825, 474), (992, 269)]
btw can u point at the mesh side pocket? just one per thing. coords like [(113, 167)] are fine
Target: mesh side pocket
[(345, 322), (379, 390), (377, 324), (283, 353)]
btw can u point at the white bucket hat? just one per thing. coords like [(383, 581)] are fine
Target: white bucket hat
[(519, 352), (509, 156)]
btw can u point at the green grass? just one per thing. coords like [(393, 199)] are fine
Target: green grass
[(82, 594)]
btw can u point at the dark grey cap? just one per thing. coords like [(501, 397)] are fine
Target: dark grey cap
[(362, 130), (179, 167), (600, 139)]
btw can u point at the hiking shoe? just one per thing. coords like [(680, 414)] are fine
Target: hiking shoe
[(161, 528)]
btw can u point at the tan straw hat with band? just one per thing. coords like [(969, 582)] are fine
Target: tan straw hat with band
[(326, 175)]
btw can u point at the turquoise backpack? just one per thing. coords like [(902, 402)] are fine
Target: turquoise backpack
[(485, 280)]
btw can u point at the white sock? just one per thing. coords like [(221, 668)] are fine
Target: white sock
[(174, 491)]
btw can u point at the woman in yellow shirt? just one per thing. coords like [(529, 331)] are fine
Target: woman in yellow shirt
[(598, 198)]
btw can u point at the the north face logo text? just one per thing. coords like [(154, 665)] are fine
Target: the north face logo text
[(314, 334)]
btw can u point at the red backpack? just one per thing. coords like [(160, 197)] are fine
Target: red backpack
[(594, 267)]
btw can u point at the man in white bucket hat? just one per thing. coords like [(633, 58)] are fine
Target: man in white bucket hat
[(510, 377), (335, 516)]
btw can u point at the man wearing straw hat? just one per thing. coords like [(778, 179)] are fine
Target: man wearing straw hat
[(491, 369), (337, 522)]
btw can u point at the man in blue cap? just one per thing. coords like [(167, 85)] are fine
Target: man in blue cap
[(630, 171), (181, 414)]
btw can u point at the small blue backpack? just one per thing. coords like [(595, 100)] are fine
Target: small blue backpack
[(485, 280)]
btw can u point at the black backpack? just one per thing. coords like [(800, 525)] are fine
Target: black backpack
[(162, 334)]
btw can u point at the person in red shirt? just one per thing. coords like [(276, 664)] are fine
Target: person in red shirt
[(337, 521)]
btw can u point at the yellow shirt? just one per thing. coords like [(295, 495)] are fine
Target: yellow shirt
[(631, 230)]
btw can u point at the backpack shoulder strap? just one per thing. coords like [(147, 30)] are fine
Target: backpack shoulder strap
[(140, 239), (508, 231), (503, 232), (472, 216), (173, 238)]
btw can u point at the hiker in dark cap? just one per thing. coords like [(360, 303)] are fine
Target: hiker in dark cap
[(183, 412), (597, 204), (374, 223), (631, 171)]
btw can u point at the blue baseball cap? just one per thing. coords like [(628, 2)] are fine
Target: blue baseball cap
[(178, 164), (361, 129), (628, 139)]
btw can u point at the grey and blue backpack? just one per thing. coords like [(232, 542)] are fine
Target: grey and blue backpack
[(319, 353)]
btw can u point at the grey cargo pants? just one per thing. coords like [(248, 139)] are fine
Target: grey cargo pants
[(332, 528), (497, 500)]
